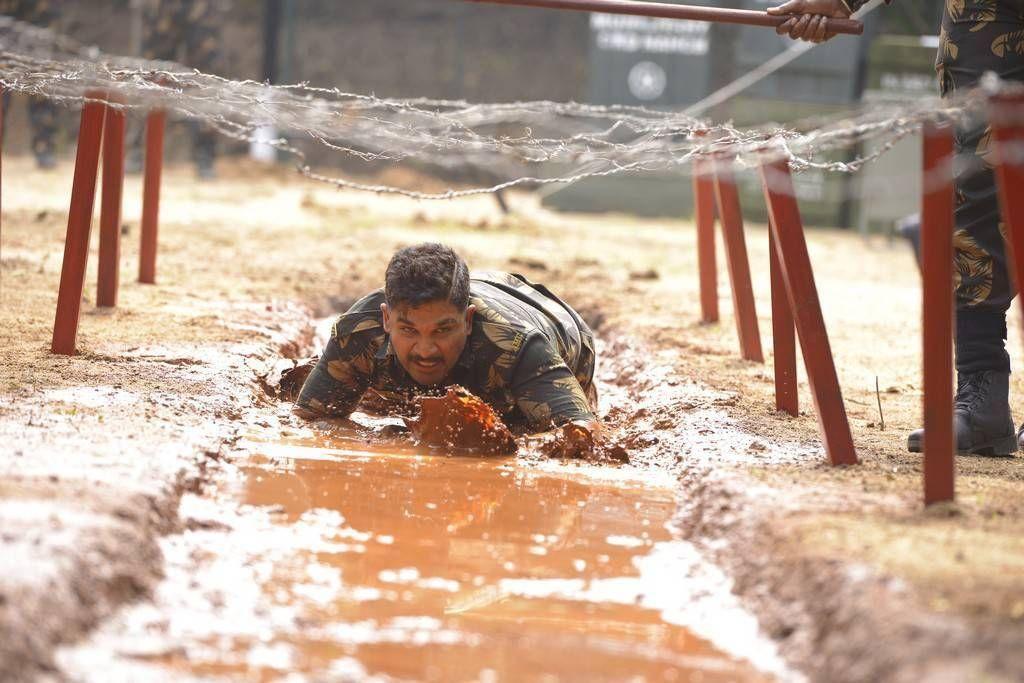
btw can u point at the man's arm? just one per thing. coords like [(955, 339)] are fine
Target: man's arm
[(549, 395), (808, 19), (340, 378)]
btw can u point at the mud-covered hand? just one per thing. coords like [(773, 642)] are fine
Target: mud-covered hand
[(573, 440), (808, 19)]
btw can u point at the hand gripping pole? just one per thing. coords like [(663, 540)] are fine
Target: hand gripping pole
[(671, 11)]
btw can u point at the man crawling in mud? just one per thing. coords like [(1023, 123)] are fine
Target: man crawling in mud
[(510, 342)]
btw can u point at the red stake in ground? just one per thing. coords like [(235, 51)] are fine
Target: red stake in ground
[(937, 208), (1006, 114), (155, 123), (76, 244), (704, 216), (802, 294), (110, 207), (731, 216), (783, 337)]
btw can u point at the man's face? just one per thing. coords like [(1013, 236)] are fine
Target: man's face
[(429, 338)]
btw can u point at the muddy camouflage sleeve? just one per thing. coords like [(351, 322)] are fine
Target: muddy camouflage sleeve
[(344, 371), (544, 388)]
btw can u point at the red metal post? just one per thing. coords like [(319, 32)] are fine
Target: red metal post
[(76, 244), (739, 265), (937, 224), (1006, 115), (110, 207), (783, 337), (1, 146), (795, 266), (704, 216), (155, 124)]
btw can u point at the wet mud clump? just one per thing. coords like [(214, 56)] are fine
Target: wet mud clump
[(461, 422)]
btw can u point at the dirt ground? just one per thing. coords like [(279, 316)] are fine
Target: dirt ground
[(844, 566)]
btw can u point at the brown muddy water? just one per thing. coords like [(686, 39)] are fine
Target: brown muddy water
[(321, 560)]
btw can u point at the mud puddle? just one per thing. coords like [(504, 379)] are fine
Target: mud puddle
[(316, 560)]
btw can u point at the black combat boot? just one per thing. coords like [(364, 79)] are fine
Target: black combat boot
[(981, 416)]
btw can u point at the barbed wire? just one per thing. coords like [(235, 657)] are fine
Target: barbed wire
[(510, 144)]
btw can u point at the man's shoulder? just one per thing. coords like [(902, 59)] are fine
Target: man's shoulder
[(363, 317)]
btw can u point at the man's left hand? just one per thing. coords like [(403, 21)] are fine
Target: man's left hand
[(808, 19)]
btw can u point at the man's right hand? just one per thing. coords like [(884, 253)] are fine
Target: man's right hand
[(808, 19)]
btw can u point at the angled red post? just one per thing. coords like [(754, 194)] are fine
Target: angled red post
[(704, 217), (1006, 115), (1, 148), (110, 207), (731, 217), (783, 337), (155, 124), (795, 267), (937, 224), (76, 244)]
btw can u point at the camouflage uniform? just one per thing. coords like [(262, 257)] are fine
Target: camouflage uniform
[(42, 112), (529, 355), (196, 24)]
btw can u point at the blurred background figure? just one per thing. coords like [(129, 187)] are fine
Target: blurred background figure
[(186, 31), (41, 111)]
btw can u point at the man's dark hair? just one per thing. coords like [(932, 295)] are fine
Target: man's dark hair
[(426, 272)]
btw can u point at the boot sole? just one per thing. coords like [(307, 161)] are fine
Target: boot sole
[(1003, 447)]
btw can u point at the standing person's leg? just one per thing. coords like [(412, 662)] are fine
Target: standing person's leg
[(42, 112), (161, 36), (973, 41), (203, 25)]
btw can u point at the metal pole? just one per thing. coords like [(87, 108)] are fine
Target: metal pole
[(802, 295), (704, 217), (787, 399), (76, 244), (937, 207), (731, 218), (155, 123), (110, 207), (665, 11)]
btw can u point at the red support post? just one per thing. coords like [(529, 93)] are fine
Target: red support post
[(795, 267), (783, 337), (1006, 115), (704, 216), (155, 123), (739, 265), (1, 148), (110, 207), (76, 244), (937, 224)]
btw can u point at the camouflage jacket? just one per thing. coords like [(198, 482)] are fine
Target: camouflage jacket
[(529, 355)]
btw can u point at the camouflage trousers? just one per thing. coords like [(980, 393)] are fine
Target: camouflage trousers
[(979, 36), (189, 30), (42, 112)]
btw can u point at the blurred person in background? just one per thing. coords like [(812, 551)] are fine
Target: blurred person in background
[(187, 31), (42, 113), (976, 36)]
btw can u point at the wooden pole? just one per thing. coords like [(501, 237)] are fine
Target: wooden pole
[(731, 217), (110, 207), (795, 267), (76, 244), (937, 223), (155, 124), (704, 217), (783, 337), (670, 11)]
